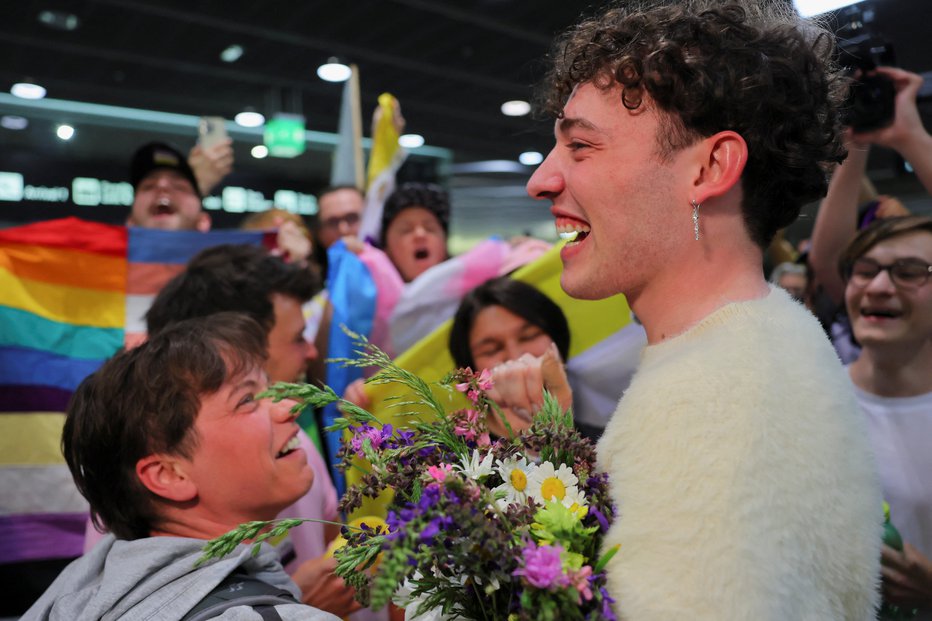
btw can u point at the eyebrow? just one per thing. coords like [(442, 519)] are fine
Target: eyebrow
[(566, 124)]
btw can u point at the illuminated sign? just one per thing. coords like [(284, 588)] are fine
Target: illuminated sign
[(284, 135), (13, 189), (92, 192)]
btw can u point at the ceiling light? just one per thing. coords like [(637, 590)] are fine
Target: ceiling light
[(516, 107), (249, 118), (65, 132), (808, 8), (28, 90), (411, 141), (530, 158), (59, 20), (231, 54), (9, 121), (333, 71), (260, 151)]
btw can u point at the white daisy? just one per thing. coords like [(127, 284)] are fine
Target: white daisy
[(476, 467), (545, 484), (514, 474)]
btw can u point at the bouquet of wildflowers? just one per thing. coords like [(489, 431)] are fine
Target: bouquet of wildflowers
[(479, 528)]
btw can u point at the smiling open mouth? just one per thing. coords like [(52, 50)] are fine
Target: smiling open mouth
[(293, 445), (881, 313), (572, 233)]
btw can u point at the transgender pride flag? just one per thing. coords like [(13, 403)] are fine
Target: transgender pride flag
[(71, 293)]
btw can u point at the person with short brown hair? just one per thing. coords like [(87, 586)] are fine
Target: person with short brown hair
[(150, 441)]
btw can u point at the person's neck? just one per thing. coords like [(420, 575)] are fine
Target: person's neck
[(197, 525), (896, 370), (714, 272)]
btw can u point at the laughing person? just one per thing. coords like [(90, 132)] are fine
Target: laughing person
[(166, 194), (151, 442), (687, 134), (887, 271), (414, 228)]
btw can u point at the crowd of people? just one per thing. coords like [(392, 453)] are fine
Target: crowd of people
[(754, 443)]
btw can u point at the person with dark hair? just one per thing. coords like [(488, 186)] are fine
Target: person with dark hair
[(246, 279), (415, 223), (512, 329), (149, 441), (165, 191), (339, 213), (520, 301), (887, 269), (687, 133)]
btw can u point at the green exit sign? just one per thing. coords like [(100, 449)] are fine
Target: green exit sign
[(284, 135)]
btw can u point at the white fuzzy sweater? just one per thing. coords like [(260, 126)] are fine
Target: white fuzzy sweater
[(741, 470)]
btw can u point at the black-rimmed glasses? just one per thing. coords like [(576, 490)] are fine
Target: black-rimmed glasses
[(905, 273), (333, 223)]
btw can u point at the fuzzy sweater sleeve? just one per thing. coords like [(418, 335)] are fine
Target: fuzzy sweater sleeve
[(745, 488)]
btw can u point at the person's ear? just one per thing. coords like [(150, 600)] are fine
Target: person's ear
[(165, 476), (203, 222), (720, 163)]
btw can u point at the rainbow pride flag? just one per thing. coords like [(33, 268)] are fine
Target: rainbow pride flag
[(72, 293)]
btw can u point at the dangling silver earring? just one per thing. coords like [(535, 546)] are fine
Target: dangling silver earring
[(695, 218)]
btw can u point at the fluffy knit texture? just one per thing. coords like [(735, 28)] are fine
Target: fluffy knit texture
[(741, 470)]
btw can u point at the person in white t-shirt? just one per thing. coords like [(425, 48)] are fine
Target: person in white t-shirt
[(887, 269)]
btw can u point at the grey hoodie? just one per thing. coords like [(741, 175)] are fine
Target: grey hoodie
[(155, 578)]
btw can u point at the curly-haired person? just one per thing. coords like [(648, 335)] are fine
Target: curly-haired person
[(687, 133)]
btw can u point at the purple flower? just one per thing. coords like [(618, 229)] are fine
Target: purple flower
[(375, 436), (542, 566), (405, 438), (607, 602), (435, 526), (603, 522)]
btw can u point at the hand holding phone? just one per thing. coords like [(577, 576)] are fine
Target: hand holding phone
[(211, 131)]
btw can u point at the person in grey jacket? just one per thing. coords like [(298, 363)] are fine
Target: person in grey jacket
[(171, 447)]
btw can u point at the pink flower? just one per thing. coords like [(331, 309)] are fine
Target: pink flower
[(580, 580), (484, 439), (485, 380), (467, 424), (473, 395), (463, 387), (542, 568), (439, 473)]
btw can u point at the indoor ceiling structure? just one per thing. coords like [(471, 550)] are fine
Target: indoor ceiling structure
[(451, 63)]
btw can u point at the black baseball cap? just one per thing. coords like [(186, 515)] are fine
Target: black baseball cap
[(158, 155)]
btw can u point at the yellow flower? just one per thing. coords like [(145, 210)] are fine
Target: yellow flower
[(544, 483), (513, 471)]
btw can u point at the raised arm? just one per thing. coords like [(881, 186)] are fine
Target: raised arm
[(836, 221), (907, 136)]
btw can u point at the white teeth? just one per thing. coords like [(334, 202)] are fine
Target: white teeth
[(293, 443), (571, 232)]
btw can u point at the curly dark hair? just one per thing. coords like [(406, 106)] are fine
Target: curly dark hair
[(750, 66), (430, 196), (145, 401)]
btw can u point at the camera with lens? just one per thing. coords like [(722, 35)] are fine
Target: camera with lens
[(870, 104)]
